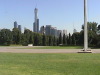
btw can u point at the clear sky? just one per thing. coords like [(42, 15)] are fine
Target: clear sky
[(63, 14)]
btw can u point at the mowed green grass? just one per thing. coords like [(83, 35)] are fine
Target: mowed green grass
[(49, 64)]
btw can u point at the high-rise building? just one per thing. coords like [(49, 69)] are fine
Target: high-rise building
[(58, 32), (53, 31), (42, 30), (19, 27), (15, 24), (65, 32), (36, 21), (74, 31), (48, 30)]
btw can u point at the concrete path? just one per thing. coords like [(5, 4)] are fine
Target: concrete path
[(19, 50)]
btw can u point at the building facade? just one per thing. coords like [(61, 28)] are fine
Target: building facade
[(58, 32), (15, 24), (36, 21), (65, 32), (19, 27), (53, 31), (48, 30), (42, 30)]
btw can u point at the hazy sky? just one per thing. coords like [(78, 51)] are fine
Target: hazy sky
[(63, 14)]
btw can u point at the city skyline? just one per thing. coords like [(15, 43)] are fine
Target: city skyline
[(61, 14)]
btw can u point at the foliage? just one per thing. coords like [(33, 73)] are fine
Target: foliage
[(5, 37), (16, 36), (60, 38), (91, 26), (64, 39)]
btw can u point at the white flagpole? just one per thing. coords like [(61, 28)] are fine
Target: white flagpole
[(85, 27)]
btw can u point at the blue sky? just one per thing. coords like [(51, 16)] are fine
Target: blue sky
[(63, 14)]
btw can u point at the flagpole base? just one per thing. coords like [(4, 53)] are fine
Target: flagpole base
[(85, 51)]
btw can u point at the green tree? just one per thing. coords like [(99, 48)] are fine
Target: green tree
[(43, 40), (5, 37), (50, 41), (92, 38), (16, 36), (29, 36), (69, 39), (60, 38), (77, 37), (24, 40), (73, 40), (92, 26), (98, 41), (81, 38), (54, 41), (64, 39)]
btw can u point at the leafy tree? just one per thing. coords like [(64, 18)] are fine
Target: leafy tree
[(50, 40), (77, 37), (60, 39), (39, 39), (16, 36), (81, 38), (73, 40), (54, 41), (92, 26), (5, 37), (29, 36), (69, 39), (57, 41), (43, 40), (64, 39), (24, 40)]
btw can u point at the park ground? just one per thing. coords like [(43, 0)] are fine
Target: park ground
[(44, 49), (45, 61)]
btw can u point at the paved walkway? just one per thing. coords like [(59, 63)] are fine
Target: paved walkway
[(19, 50)]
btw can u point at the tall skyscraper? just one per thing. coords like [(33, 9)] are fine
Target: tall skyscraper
[(19, 27), (58, 32), (15, 24), (48, 30), (42, 30), (36, 21), (53, 31), (65, 32)]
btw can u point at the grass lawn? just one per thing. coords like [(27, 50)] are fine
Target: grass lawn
[(11, 45), (49, 64)]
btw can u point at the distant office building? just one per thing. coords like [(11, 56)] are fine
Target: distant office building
[(74, 31), (53, 31), (58, 32), (42, 30), (19, 27), (65, 32), (48, 30), (36, 21), (15, 24)]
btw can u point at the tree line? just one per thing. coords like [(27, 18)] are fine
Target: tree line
[(8, 37)]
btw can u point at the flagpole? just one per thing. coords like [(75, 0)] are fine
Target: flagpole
[(85, 27)]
